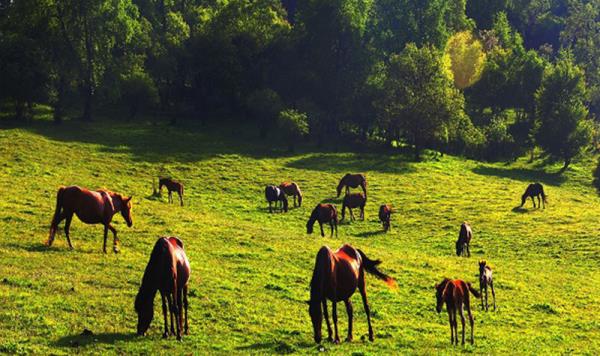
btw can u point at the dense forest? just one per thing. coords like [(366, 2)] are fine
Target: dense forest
[(491, 79)]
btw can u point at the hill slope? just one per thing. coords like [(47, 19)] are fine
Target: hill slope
[(251, 269)]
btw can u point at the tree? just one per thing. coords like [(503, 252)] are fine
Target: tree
[(483, 11), (420, 98), (138, 91), (264, 106), (564, 130), (294, 125), (466, 57)]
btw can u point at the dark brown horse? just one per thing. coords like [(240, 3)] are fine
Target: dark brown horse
[(172, 186), (292, 189), (385, 216), (352, 181), (464, 240), (275, 195), (486, 280), (335, 277), (168, 271), (90, 207), (534, 190), (351, 201), (323, 213), (455, 293)]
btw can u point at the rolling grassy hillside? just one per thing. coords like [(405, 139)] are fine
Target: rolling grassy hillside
[(251, 269)]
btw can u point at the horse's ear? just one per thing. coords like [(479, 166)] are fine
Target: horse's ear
[(127, 200)]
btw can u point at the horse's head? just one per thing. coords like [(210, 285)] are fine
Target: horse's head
[(482, 264), (523, 198), (144, 308), (459, 247), (439, 294), (339, 188), (126, 210), (309, 226), (316, 316)]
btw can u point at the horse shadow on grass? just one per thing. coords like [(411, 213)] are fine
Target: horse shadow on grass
[(103, 338), (367, 234), (522, 174), (280, 347)]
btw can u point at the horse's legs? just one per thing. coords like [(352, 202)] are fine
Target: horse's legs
[(171, 310), (61, 217), (362, 213), (326, 315), (185, 305), (493, 293), (533, 201), (334, 315), (486, 297), (164, 309), (349, 312), (462, 321), (115, 239), (468, 307), (468, 251), (180, 198), (322, 232), (331, 225), (68, 218), (451, 322), (351, 214), (363, 294), (179, 312), (481, 286), (170, 196), (105, 237)]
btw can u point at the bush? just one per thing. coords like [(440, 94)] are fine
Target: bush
[(293, 125)]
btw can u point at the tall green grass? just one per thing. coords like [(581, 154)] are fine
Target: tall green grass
[(251, 269)]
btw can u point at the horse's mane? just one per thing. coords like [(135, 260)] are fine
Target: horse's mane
[(316, 282)]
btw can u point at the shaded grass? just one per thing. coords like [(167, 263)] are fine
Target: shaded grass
[(251, 269)]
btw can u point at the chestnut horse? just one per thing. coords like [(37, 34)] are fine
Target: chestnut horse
[(534, 190), (455, 293), (90, 207), (464, 239), (292, 189), (168, 271), (385, 215), (323, 213), (172, 186), (351, 201), (335, 277), (352, 180), (485, 280), (274, 194)]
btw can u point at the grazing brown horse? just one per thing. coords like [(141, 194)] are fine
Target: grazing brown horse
[(90, 207), (351, 201), (385, 215), (534, 190), (292, 189), (276, 195), (485, 280), (455, 293), (464, 240), (352, 180), (172, 186), (168, 271), (323, 213), (335, 277)]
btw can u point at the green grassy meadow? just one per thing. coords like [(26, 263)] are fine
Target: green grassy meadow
[(251, 269)]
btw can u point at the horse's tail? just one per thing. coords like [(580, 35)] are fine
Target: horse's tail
[(56, 217), (365, 185), (299, 192), (371, 267), (473, 290)]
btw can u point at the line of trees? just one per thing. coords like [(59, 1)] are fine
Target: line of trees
[(489, 78)]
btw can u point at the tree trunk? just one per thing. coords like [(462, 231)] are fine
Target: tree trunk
[(19, 110), (60, 99), (89, 71)]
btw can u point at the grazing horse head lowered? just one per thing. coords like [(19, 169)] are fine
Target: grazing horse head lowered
[(352, 181), (167, 272)]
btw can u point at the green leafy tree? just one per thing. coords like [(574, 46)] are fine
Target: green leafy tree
[(421, 99), (138, 91), (264, 106), (466, 57), (564, 130), (294, 126)]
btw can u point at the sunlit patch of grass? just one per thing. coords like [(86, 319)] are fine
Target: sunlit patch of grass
[(251, 269)]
